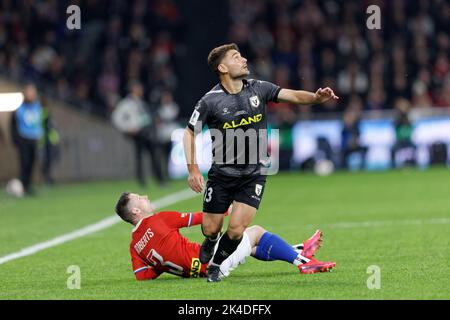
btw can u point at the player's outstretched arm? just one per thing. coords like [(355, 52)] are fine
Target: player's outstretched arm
[(177, 220), (306, 97), (195, 219)]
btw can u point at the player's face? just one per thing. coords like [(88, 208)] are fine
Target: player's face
[(30, 93), (235, 64), (141, 202)]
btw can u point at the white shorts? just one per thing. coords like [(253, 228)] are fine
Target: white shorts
[(243, 250)]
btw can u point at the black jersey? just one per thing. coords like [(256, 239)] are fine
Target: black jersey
[(228, 115)]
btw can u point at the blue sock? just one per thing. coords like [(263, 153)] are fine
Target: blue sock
[(272, 247)]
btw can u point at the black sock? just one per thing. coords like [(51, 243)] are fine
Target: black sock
[(225, 249)]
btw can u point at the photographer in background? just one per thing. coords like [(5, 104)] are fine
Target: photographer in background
[(26, 130), (132, 117)]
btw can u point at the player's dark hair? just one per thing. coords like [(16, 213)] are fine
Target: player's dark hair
[(217, 54), (122, 206)]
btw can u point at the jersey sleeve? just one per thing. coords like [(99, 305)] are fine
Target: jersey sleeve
[(269, 91), (142, 271), (179, 220), (199, 116)]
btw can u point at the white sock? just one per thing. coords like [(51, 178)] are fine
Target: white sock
[(300, 260), (243, 250)]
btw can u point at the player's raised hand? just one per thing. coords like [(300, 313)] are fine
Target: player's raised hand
[(196, 180), (325, 94)]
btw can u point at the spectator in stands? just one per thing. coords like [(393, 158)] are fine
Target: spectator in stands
[(403, 130), (133, 118), (376, 99), (138, 39), (26, 130), (353, 80), (350, 138), (443, 98), (167, 114), (421, 97)]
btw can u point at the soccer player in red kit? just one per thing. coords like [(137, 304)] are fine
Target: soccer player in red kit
[(157, 245)]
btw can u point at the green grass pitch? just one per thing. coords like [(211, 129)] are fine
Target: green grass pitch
[(398, 221)]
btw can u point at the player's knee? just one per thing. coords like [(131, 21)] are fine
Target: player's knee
[(258, 229), (235, 232), (211, 230), (211, 233), (211, 225), (256, 232)]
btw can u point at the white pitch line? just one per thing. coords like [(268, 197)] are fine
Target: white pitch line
[(92, 228)]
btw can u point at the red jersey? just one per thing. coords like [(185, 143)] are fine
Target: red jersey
[(157, 246)]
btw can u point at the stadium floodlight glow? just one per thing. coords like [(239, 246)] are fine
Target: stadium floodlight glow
[(10, 101)]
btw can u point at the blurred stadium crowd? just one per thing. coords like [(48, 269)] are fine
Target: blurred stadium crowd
[(295, 43), (119, 41), (311, 44), (127, 61)]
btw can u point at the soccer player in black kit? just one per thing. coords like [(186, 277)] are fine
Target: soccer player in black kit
[(236, 103)]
